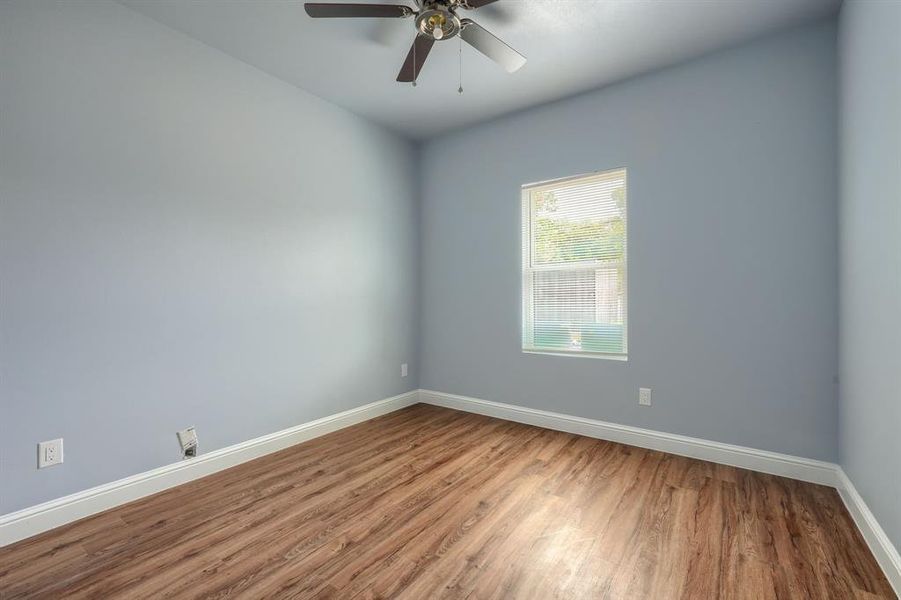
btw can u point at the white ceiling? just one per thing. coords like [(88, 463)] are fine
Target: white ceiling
[(572, 46)]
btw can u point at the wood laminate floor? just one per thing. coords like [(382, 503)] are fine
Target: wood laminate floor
[(430, 503)]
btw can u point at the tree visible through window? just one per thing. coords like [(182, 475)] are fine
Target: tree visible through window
[(574, 265)]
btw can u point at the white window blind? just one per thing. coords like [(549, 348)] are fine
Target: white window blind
[(574, 265)]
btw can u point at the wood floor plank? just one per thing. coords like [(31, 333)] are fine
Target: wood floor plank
[(428, 502)]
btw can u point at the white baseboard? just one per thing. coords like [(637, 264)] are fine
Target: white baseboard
[(803, 469), (42, 517), (882, 548)]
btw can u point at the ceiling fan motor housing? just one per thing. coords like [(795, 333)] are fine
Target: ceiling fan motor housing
[(438, 22)]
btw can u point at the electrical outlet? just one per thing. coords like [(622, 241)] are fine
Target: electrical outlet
[(403, 370), (644, 396), (50, 453)]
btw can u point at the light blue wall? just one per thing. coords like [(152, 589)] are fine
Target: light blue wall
[(184, 240), (168, 228), (733, 251), (870, 276)]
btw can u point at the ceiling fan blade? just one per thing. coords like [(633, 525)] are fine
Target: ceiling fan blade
[(479, 38), (322, 10), (476, 3), (420, 49)]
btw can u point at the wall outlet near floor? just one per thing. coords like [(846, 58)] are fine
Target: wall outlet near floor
[(50, 453), (403, 370), (644, 396), (187, 438)]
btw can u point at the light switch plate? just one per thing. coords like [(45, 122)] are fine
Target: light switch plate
[(50, 453)]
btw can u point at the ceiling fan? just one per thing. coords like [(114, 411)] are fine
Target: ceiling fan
[(435, 21)]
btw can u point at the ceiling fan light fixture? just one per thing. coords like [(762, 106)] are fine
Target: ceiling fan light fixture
[(438, 23)]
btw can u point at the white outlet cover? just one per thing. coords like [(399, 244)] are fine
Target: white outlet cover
[(403, 370), (644, 396), (50, 453)]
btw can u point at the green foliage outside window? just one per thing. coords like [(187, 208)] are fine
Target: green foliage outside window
[(561, 240)]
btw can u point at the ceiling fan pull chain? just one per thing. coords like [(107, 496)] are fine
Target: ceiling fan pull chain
[(460, 89)]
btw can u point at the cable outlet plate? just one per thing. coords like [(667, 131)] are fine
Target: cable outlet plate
[(187, 439)]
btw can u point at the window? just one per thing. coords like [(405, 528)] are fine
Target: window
[(574, 265)]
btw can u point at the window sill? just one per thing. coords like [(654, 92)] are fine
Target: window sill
[(615, 357)]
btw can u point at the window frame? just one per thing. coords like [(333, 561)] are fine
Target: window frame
[(527, 329)]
